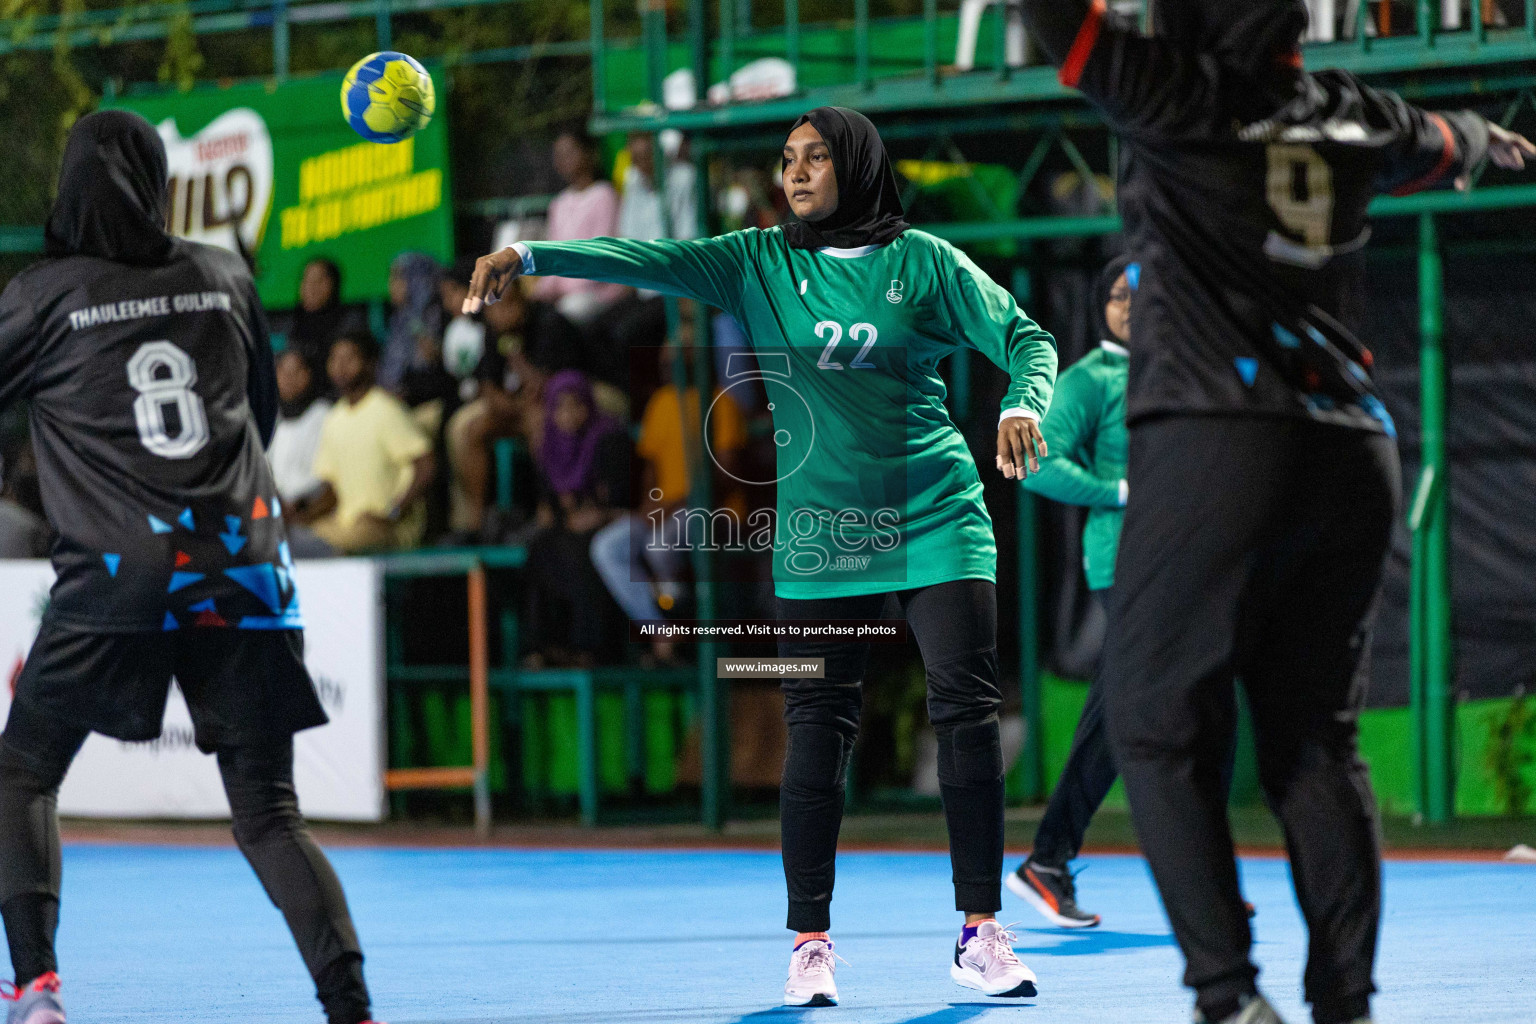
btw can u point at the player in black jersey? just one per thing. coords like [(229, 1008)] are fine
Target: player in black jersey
[(147, 367), (1263, 470)]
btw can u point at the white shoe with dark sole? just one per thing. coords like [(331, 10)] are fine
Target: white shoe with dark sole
[(987, 964), (812, 975)]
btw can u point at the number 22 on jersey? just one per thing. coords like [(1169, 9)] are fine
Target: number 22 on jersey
[(832, 331), (163, 376)]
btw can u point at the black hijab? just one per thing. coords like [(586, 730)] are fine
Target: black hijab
[(112, 198), (868, 202), (1106, 284)]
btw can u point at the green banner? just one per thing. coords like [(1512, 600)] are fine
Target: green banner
[(279, 164)]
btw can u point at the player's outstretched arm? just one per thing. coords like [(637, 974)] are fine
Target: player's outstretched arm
[(709, 270), (1435, 148), (1506, 149)]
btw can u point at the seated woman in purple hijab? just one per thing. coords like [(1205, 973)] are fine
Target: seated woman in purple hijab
[(583, 462)]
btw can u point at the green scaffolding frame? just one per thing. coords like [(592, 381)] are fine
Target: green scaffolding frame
[(1477, 60)]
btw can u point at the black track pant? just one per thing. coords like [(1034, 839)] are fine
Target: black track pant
[(35, 752), (1086, 780), (1253, 549), (1087, 777), (955, 625)]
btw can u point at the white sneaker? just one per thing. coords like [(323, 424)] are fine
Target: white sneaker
[(988, 965), (811, 970)]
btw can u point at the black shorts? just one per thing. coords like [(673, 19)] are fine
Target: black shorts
[(243, 686)]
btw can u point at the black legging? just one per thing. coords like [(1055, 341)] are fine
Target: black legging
[(956, 629), (36, 751)]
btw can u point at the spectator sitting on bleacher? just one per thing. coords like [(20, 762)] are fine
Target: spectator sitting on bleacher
[(585, 208), (583, 463), (525, 343), (415, 313), (319, 318), (644, 573), (301, 413), (374, 461)]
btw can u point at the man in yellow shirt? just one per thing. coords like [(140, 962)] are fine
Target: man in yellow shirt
[(374, 462)]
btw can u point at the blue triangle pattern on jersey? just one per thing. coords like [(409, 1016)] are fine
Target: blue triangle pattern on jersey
[(113, 561), (182, 579), (260, 580), (1247, 368), (277, 506), (185, 519), (170, 622), (203, 606), (233, 542), (159, 525), (232, 524)]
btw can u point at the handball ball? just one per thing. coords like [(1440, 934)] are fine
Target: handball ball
[(387, 97)]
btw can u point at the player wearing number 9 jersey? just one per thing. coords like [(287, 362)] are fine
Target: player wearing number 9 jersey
[(1263, 477), (849, 312), (148, 371)]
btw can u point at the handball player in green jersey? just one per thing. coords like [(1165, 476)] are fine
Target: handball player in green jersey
[(849, 312)]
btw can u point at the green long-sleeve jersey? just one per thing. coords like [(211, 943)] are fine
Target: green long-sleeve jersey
[(876, 488), (1085, 433)]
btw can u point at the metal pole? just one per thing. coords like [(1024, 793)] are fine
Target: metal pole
[(1430, 597), (280, 39), (861, 44), (599, 62), (931, 41), (792, 36), (382, 28), (698, 47), (653, 31), (1028, 771), (480, 699), (715, 694), (727, 44)]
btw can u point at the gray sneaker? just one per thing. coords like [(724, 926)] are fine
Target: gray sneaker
[(1255, 1009), (37, 1003)]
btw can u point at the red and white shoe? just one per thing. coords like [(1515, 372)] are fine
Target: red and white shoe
[(35, 1003)]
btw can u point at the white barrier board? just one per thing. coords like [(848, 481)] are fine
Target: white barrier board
[(338, 768)]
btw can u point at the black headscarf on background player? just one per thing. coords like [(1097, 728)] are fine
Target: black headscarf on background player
[(1255, 36), (112, 196), (868, 201), (1101, 289)]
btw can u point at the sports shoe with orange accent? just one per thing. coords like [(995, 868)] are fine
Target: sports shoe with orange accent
[(1053, 892), (34, 1003)]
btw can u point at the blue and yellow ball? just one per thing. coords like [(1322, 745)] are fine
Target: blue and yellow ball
[(387, 97)]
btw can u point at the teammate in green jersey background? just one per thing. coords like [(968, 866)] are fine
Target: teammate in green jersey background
[(1085, 429), (849, 312)]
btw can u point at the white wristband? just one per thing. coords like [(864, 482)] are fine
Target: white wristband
[(1125, 490), (1010, 414), (527, 255)]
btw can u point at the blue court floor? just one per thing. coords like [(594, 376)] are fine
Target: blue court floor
[(609, 937)]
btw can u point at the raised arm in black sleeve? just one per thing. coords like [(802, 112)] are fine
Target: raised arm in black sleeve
[(1430, 149)]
